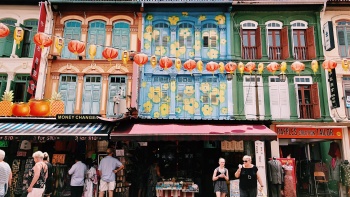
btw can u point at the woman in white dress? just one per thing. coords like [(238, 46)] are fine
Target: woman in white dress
[(90, 184)]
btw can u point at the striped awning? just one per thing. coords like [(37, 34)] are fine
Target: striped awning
[(54, 131)]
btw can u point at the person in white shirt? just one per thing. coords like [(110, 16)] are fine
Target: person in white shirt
[(5, 175), (77, 171)]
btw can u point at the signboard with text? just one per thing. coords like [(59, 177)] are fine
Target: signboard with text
[(308, 132), (333, 89), (328, 36)]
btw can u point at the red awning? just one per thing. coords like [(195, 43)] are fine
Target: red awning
[(190, 132)]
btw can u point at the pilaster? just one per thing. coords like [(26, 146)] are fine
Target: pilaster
[(79, 98), (104, 94)]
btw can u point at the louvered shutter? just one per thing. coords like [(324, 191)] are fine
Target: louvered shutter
[(284, 43), (274, 100), (258, 43), (315, 101), (310, 43)]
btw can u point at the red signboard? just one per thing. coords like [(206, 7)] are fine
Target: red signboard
[(37, 53), (310, 133)]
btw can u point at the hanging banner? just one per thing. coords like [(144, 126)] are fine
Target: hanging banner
[(37, 53)]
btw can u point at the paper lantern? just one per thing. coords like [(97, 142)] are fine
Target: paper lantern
[(314, 66), (140, 59), (212, 67), (178, 64), (125, 57), (42, 39), (329, 65), (272, 67), (4, 30), (76, 46), (92, 51), (260, 68), (59, 43), (283, 67), (153, 61), (110, 53), (297, 67), (241, 67), (249, 67), (221, 67), (190, 65), (230, 67), (200, 66), (344, 64), (18, 35), (165, 63)]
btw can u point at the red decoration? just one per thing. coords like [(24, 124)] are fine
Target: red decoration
[(4, 30), (42, 40), (230, 67), (76, 46), (272, 67), (329, 65), (298, 67), (165, 63), (140, 59), (190, 65), (212, 66), (110, 53), (249, 67)]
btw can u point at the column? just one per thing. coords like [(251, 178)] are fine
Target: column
[(238, 97), (323, 96), (128, 88), (58, 31), (173, 39), (263, 42), (108, 41), (198, 38), (236, 42), (10, 77), (104, 94), (228, 45), (266, 98), (79, 93), (197, 77), (222, 36), (172, 97), (84, 35), (55, 77)]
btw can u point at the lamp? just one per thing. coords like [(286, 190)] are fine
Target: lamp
[(282, 77)]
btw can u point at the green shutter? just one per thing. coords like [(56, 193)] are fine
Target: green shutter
[(2, 87)]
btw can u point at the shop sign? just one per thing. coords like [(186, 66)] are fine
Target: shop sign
[(260, 161), (328, 36), (333, 88), (78, 117), (309, 133)]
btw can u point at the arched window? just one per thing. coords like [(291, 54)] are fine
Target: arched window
[(6, 43), (121, 37), (251, 40), (277, 40), (343, 34), (303, 40), (210, 47), (161, 39), (97, 36), (186, 42), (72, 31)]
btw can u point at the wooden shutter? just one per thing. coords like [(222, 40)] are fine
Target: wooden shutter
[(284, 43), (310, 43), (258, 43), (274, 100), (9, 42), (284, 100), (315, 101)]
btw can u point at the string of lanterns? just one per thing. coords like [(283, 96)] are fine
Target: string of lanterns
[(109, 53)]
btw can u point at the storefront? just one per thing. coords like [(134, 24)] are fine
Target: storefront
[(315, 147), (61, 138), (187, 151)]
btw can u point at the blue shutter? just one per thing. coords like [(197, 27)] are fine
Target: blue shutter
[(97, 36), (92, 94), (72, 31), (67, 88), (121, 37)]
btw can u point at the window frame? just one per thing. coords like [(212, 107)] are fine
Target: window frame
[(254, 52), (100, 31), (164, 34), (187, 44), (74, 33), (346, 37), (122, 35)]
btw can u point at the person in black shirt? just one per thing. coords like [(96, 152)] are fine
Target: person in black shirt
[(220, 176), (248, 176)]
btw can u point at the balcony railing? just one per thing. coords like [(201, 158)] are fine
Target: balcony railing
[(300, 53), (275, 53), (306, 111), (248, 52)]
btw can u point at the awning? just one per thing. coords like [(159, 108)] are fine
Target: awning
[(54, 131), (191, 132)]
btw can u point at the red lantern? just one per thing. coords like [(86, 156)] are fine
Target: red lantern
[(110, 53), (230, 67), (190, 65), (42, 39), (212, 66), (249, 67), (329, 65), (165, 62), (4, 30), (140, 59), (76, 46), (298, 67), (272, 67)]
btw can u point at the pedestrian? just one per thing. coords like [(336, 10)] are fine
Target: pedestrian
[(37, 175), (49, 180), (248, 176), (108, 167), (90, 179), (220, 176), (5, 175), (77, 173)]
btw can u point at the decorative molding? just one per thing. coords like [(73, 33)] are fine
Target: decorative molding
[(105, 76), (133, 30), (222, 29), (109, 28), (173, 28), (55, 77), (122, 69), (95, 69), (80, 76), (68, 68)]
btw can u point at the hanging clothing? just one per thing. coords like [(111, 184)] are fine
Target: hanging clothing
[(289, 190), (334, 170), (90, 184), (345, 174), (334, 150)]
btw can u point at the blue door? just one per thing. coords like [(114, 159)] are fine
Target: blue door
[(117, 89), (67, 88), (91, 94)]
